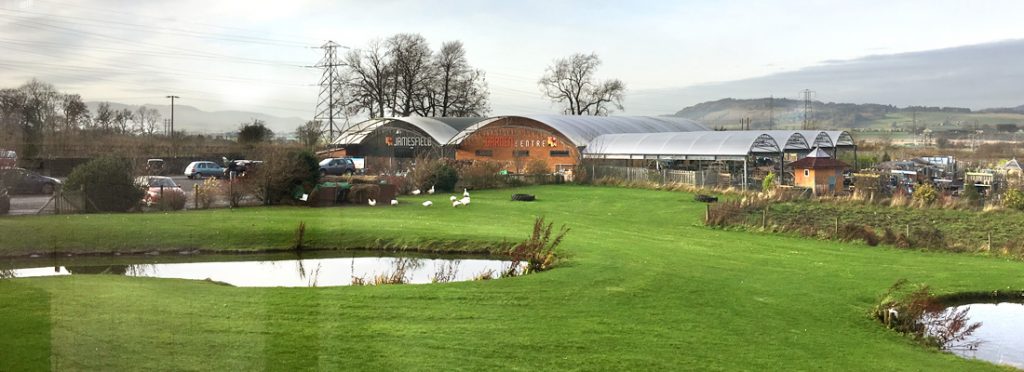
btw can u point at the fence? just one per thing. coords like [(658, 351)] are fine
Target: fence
[(704, 178)]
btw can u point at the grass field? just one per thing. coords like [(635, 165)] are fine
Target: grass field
[(645, 287)]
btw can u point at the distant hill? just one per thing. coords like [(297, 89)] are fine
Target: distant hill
[(789, 114), (194, 120)]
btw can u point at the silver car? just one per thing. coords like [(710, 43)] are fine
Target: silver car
[(203, 169)]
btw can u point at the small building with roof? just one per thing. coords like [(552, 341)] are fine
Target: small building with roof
[(819, 172), (394, 142)]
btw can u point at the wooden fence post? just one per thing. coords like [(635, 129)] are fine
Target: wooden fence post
[(837, 227), (764, 218), (195, 196), (707, 213)]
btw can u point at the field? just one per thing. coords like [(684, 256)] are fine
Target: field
[(644, 286)]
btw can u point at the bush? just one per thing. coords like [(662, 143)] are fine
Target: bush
[(282, 171), (926, 194), (208, 192), (537, 167), (537, 252), (360, 194), (482, 174), (1014, 199), (769, 182), (971, 195), (172, 201), (444, 177), (108, 184)]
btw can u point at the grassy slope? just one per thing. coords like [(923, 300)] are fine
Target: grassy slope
[(646, 288)]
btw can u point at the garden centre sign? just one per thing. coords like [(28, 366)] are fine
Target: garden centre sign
[(408, 141)]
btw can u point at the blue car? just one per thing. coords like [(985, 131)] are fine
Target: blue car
[(203, 169)]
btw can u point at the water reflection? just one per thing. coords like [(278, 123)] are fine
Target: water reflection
[(999, 339), (281, 271)]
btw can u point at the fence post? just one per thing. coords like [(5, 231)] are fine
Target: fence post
[(764, 217), (162, 200), (707, 212), (837, 227), (195, 196), (908, 231)]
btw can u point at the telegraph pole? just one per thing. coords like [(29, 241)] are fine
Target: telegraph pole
[(174, 145), (771, 112)]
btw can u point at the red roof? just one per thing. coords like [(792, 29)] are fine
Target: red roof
[(818, 163)]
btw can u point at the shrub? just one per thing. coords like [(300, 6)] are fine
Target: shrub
[(282, 171), (911, 309), (538, 252), (971, 195), (207, 192), (235, 190), (851, 232), (444, 177), (482, 174), (1014, 199), (926, 194), (108, 184), (360, 194), (172, 201), (537, 167), (769, 182)]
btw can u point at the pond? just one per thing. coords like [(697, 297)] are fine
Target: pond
[(1000, 338), (314, 269)]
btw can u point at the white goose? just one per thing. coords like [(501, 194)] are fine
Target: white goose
[(464, 200), (428, 203), (372, 202), (431, 191), (465, 193), (456, 203), (394, 201), (452, 198), (415, 192)]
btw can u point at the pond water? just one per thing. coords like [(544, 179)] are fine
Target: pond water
[(269, 270), (1001, 335)]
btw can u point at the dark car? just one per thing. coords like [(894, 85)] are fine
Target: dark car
[(337, 166), (21, 181), (241, 167)]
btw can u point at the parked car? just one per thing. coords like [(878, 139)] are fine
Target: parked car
[(337, 166), (155, 166), (21, 181), (241, 167), (161, 188), (8, 158), (203, 169)]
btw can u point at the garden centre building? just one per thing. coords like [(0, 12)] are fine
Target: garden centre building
[(681, 150)]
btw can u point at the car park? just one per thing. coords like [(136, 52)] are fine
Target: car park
[(21, 181), (337, 166), (203, 169), (159, 188)]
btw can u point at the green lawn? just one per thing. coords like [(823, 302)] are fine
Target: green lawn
[(645, 287)]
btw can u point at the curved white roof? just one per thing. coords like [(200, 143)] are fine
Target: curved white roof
[(440, 129), (705, 143), (789, 140), (580, 130), (841, 138)]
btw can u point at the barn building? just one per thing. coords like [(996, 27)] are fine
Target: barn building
[(556, 139), (393, 143)]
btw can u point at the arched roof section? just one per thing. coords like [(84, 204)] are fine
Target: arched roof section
[(440, 130), (841, 138), (789, 140), (817, 138), (681, 145), (580, 130)]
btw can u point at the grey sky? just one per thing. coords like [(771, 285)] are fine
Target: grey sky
[(247, 55)]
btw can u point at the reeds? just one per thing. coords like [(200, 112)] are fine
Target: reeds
[(538, 252)]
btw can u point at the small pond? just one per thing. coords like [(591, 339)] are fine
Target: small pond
[(1000, 338), (314, 269)]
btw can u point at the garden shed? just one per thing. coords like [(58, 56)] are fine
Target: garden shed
[(818, 171)]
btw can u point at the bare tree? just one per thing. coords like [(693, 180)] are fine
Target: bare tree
[(122, 120), (370, 84), (309, 134), (410, 61), (571, 82), (104, 116), (76, 113), (457, 88)]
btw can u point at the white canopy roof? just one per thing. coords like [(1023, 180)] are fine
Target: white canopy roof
[(682, 145), (440, 129), (581, 130)]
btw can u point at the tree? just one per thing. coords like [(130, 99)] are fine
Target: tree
[(147, 119), (410, 63), (571, 82), (108, 184), (310, 133), (254, 133), (122, 119), (457, 89), (76, 113), (370, 85), (104, 118)]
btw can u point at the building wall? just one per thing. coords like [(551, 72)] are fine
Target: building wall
[(818, 178), (517, 141)]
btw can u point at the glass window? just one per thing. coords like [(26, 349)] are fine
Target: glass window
[(484, 152), (807, 173), (521, 153), (559, 154)]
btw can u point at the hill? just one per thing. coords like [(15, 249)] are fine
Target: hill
[(785, 113), (191, 119)]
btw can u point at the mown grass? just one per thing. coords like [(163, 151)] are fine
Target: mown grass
[(646, 287)]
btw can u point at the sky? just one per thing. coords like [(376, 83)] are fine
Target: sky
[(256, 55)]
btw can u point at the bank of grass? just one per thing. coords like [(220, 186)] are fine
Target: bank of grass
[(947, 229), (647, 287)]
